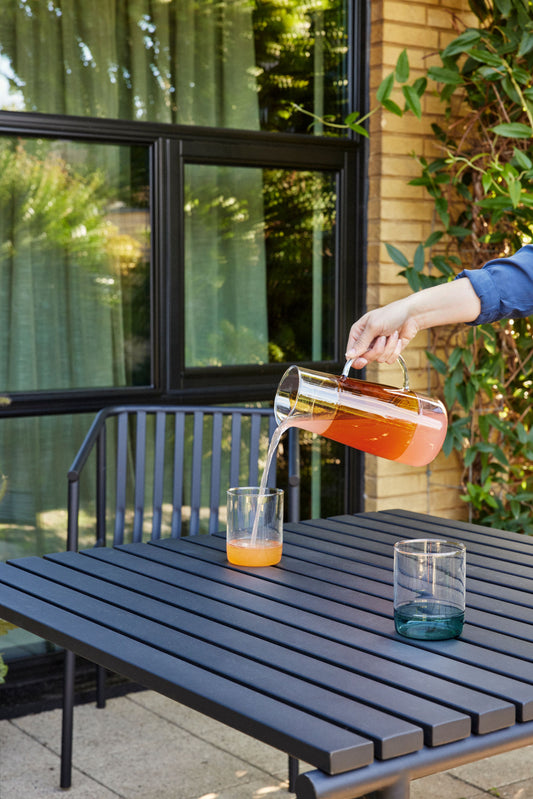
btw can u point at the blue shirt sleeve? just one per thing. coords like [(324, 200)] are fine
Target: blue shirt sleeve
[(504, 286)]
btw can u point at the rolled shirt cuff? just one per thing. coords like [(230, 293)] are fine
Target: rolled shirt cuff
[(488, 293), (504, 286)]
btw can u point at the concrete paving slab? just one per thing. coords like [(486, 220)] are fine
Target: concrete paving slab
[(504, 769), (29, 770), (143, 746), (259, 790), (444, 786), (521, 790), (263, 757), (136, 753)]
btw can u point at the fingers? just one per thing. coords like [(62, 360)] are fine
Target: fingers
[(384, 349), (373, 336), (392, 349), (381, 335)]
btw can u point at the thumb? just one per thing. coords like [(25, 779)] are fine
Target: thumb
[(359, 340)]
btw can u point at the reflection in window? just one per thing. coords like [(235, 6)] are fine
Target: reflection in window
[(74, 304), (259, 273), (74, 261), (221, 63)]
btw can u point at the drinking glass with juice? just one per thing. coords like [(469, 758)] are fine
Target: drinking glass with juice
[(254, 533)]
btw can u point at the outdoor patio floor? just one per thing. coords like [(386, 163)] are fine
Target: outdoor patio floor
[(144, 746)]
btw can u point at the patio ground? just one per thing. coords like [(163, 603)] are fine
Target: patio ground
[(143, 746)]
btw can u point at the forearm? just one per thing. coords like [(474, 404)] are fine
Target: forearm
[(445, 304), (382, 334), (502, 289)]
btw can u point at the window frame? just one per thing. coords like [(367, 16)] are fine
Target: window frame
[(170, 148), (170, 144)]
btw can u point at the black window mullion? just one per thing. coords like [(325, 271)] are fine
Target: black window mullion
[(168, 265), (173, 268)]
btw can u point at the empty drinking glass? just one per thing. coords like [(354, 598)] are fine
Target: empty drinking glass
[(429, 588)]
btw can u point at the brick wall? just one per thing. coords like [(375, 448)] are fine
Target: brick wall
[(401, 215)]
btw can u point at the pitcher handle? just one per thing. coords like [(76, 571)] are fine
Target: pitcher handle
[(348, 366)]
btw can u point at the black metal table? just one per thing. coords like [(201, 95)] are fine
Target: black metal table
[(304, 656)]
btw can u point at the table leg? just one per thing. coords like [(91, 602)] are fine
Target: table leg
[(67, 719), (294, 767)]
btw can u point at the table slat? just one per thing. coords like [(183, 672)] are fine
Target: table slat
[(270, 619), (391, 735), (324, 745)]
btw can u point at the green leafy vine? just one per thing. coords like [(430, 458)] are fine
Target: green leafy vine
[(481, 186)]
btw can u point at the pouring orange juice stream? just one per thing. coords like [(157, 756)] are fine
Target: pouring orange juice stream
[(392, 423)]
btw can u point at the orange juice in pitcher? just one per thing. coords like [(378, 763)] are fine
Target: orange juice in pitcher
[(393, 423)]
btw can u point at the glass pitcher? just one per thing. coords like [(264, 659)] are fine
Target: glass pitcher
[(393, 423)]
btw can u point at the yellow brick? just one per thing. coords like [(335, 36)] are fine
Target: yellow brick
[(398, 144), (376, 11), (376, 36), (372, 297), (407, 125), (460, 6), (407, 35), (374, 209), (441, 18), (373, 251), (401, 214), (398, 482), (392, 293), (374, 239), (443, 477), (405, 12), (417, 57), (399, 188), (375, 170), (400, 167), (377, 64), (445, 498), (401, 232), (432, 104), (453, 513), (410, 210), (408, 249), (408, 500), (432, 149), (376, 75)]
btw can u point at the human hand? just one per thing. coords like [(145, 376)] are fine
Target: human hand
[(381, 335)]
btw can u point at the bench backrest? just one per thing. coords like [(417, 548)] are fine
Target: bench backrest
[(164, 470)]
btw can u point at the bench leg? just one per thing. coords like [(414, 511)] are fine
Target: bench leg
[(67, 720)]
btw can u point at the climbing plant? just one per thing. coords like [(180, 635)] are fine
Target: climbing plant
[(481, 186)]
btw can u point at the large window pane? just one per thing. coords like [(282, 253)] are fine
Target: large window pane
[(260, 265), (221, 63), (36, 454), (301, 53), (74, 263)]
